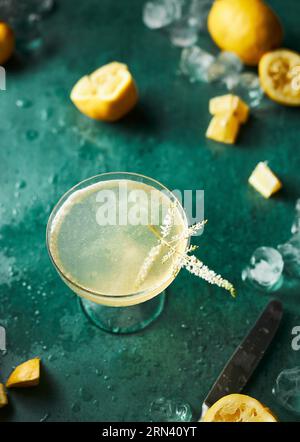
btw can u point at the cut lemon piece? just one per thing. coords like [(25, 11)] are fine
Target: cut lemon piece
[(223, 128), (3, 397), (25, 375), (107, 94), (264, 180), (229, 104), (279, 73), (238, 408)]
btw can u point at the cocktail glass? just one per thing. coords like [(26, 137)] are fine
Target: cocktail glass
[(104, 238)]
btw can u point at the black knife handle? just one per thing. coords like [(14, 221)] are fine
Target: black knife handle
[(248, 354)]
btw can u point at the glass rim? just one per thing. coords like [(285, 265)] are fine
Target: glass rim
[(64, 198)]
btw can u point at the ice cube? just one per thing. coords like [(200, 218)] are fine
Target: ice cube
[(231, 61), (265, 269), (184, 33), (248, 88), (198, 12), (195, 62), (160, 13), (226, 65), (46, 6), (296, 224), (34, 20), (16, 11), (30, 34), (287, 389), (290, 252), (231, 81), (11, 11), (170, 410)]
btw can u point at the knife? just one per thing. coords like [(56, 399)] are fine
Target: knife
[(247, 356)]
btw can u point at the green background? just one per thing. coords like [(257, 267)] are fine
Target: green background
[(47, 146)]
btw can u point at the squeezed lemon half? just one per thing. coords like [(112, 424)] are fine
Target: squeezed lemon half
[(238, 408), (107, 94), (279, 73)]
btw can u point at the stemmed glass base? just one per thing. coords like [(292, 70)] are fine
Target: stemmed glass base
[(122, 320)]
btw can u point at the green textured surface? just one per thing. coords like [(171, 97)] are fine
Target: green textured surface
[(88, 374)]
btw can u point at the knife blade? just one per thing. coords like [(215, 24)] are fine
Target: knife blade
[(247, 356)]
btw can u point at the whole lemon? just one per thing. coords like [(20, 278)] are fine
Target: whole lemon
[(7, 42), (248, 28)]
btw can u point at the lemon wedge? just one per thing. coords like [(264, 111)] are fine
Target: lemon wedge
[(264, 180), (229, 104), (25, 375), (107, 94), (223, 128)]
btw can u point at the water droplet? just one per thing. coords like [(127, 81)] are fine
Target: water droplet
[(23, 103), (20, 184), (52, 179), (85, 394), (46, 114), (75, 407), (61, 123), (45, 417), (32, 135)]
